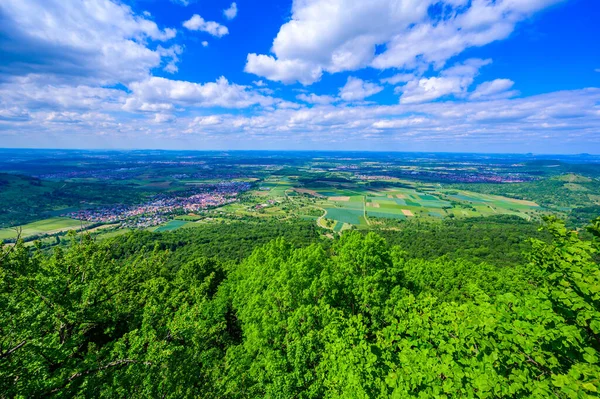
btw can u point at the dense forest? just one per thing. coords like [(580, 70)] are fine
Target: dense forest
[(497, 240), (169, 315)]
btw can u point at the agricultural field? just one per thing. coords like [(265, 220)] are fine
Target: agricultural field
[(42, 227), (172, 225), (360, 205)]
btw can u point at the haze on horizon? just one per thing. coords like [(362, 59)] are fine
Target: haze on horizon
[(486, 76)]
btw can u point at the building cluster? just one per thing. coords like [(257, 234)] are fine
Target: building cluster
[(457, 177), (466, 177), (374, 177), (155, 211)]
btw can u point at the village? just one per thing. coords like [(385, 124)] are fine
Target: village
[(157, 210)]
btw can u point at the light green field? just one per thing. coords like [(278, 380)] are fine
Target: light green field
[(350, 216), (46, 226), (172, 225), (113, 233)]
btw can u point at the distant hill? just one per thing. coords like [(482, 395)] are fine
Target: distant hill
[(24, 199), (573, 178)]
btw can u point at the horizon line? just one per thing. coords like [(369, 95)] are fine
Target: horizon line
[(292, 150)]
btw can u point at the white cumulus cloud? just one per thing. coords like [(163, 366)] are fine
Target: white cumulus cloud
[(398, 78), (157, 93), (231, 12), (494, 88), (197, 23), (286, 71), (398, 123), (342, 35), (171, 54), (357, 89), (455, 80), (163, 118), (315, 99), (94, 40)]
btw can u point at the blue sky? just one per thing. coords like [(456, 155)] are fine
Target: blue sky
[(405, 75)]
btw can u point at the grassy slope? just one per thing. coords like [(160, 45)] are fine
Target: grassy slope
[(46, 226)]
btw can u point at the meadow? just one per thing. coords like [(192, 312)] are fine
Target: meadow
[(41, 227), (172, 225)]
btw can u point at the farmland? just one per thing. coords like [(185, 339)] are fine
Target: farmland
[(42, 227), (166, 191), (360, 205), (172, 225)]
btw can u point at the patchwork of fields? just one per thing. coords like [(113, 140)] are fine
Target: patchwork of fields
[(360, 205)]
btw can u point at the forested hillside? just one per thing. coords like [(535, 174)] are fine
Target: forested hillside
[(24, 199), (563, 191), (497, 240), (162, 315)]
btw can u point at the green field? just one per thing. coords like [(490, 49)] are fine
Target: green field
[(338, 227), (172, 225), (46, 226), (350, 216)]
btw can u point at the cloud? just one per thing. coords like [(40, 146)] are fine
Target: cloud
[(550, 118), (455, 80), (315, 99), (197, 23), (75, 117), (281, 104), (430, 89), (172, 55), (357, 89), (343, 35), (68, 40), (231, 12), (495, 88), (160, 94), (286, 71), (76, 70), (204, 43), (207, 120), (163, 118), (398, 78), (567, 120), (33, 95), (597, 70), (398, 123), (14, 114)]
